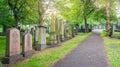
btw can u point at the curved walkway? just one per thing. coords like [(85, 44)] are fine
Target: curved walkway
[(90, 53)]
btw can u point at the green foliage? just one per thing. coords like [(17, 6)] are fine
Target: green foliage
[(75, 11), (25, 29), (103, 33), (47, 38), (29, 13), (99, 15), (5, 14), (26, 10)]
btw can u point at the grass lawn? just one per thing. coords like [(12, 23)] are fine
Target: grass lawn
[(2, 46), (116, 34), (47, 57), (1, 28), (112, 47)]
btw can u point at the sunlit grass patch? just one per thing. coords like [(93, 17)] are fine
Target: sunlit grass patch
[(2, 46), (112, 47)]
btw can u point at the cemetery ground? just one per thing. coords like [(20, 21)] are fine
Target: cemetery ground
[(112, 47), (46, 57)]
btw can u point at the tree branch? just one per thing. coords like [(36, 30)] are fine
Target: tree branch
[(90, 11)]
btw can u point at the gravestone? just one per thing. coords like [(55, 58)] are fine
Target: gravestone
[(27, 45), (73, 33), (77, 28), (36, 35), (65, 31), (12, 46), (69, 31), (1, 64), (62, 31), (41, 37), (57, 30), (53, 36)]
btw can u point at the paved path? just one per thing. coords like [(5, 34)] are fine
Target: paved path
[(90, 53)]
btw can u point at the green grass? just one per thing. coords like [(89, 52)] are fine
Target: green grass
[(2, 46), (47, 57), (1, 28), (112, 47), (116, 34)]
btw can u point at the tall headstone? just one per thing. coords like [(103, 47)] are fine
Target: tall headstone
[(65, 31), (36, 36), (53, 36), (69, 31), (57, 27), (1, 64), (41, 37), (27, 45), (77, 28), (12, 46), (62, 31)]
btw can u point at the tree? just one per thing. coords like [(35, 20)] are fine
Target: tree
[(76, 11), (108, 17), (6, 19), (23, 10), (88, 8), (110, 14)]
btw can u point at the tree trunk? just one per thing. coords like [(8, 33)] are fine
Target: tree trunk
[(111, 30), (16, 21), (40, 11), (4, 28), (86, 25), (14, 8), (108, 17)]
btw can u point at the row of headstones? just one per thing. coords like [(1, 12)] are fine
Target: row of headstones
[(13, 50), (59, 31)]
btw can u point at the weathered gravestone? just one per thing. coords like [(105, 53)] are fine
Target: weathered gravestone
[(57, 30), (77, 28), (1, 64), (53, 36), (70, 31), (65, 31), (41, 37), (27, 45), (62, 31), (36, 36), (12, 46)]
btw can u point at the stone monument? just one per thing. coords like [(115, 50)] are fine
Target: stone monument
[(27, 45), (57, 30), (62, 31), (41, 37), (13, 53), (53, 36)]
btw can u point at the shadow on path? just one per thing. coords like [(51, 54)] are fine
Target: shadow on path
[(90, 53)]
